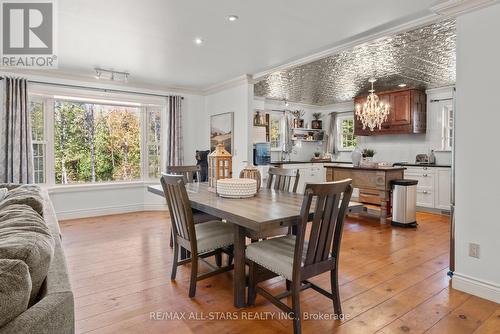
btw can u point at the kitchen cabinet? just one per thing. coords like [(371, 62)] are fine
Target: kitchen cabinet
[(407, 113), (308, 173), (433, 188)]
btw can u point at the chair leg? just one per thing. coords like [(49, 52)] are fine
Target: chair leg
[(288, 285), (252, 283), (218, 259), (297, 327), (171, 238), (194, 275), (230, 256), (174, 262), (337, 308)]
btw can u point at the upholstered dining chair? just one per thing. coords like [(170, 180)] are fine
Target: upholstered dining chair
[(201, 240), (190, 174), (282, 179), (297, 258)]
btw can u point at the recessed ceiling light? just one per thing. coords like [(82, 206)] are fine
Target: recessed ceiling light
[(402, 85), (198, 41), (232, 18)]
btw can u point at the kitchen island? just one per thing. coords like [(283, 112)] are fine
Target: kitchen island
[(374, 183)]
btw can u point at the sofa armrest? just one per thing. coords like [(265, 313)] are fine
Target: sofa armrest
[(54, 314)]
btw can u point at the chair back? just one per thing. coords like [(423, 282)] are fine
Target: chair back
[(188, 172), (331, 200), (283, 179), (174, 188)]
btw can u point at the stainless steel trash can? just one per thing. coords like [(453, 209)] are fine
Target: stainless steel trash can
[(404, 203)]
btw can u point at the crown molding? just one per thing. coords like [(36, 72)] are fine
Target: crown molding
[(452, 8), (238, 81), (61, 77)]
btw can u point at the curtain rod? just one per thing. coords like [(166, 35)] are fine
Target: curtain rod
[(106, 90)]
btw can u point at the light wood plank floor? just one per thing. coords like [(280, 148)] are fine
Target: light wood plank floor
[(392, 280)]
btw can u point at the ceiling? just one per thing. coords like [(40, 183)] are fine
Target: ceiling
[(421, 58), (153, 39)]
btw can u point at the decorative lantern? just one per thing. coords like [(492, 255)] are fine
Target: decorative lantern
[(251, 172), (219, 166)]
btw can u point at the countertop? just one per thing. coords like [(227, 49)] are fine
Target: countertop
[(369, 168), (420, 165), (308, 162)]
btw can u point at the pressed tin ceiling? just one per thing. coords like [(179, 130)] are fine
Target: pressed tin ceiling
[(421, 58)]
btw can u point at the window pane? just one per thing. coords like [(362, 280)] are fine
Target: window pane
[(39, 162), (276, 130), (37, 133), (96, 142), (154, 137), (36, 109), (347, 138)]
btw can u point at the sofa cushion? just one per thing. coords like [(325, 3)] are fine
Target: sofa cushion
[(3, 193), (29, 194), (15, 289), (25, 236)]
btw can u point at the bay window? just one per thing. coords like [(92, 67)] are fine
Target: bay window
[(95, 141)]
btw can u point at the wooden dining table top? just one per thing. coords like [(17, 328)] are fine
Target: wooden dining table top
[(267, 210)]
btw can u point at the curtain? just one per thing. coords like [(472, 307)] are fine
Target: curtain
[(287, 140), (16, 151), (174, 132), (331, 144)]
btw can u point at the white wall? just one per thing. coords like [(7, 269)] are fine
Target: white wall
[(477, 158), (390, 148), (76, 201), (236, 99), (397, 148)]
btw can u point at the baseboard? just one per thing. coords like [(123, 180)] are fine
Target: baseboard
[(110, 210), (476, 287)]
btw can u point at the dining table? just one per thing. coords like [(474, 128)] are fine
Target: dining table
[(267, 210)]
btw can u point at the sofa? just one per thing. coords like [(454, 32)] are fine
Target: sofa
[(35, 291)]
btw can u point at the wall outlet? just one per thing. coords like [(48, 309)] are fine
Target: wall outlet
[(474, 250)]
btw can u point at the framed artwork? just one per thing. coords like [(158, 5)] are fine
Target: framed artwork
[(221, 131)]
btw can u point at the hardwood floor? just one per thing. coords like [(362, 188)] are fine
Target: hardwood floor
[(392, 280)]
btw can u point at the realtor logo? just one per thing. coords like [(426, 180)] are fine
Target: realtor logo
[(28, 32)]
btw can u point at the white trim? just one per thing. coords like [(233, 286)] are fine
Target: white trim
[(109, 210), (476, 287), (459, 7), (238, 81), (82, 187)]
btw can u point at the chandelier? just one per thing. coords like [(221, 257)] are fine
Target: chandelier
[(372, 113)]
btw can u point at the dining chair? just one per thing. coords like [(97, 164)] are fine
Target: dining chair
[(282, 179), (190, 174), (201, 240), (297, 258)]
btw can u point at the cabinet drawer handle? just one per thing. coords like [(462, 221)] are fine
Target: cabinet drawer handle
[(425, 175), (425, 168), (425, 192)]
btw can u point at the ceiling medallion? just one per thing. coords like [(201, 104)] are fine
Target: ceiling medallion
[(372, 113)]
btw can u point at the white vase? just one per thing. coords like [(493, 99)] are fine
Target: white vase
[(356, 157)]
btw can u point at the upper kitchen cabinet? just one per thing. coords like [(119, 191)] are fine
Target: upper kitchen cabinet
[(407, 113)]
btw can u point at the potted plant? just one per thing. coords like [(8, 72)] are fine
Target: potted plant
[(317, 123), (317, 154), (298, 122), (368, 154)]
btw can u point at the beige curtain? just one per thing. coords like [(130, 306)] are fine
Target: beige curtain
[(174, 132), (16, 151), (331, 145)]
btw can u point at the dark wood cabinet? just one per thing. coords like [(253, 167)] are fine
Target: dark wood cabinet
[(407, 113)]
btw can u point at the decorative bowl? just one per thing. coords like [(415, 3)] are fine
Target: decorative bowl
[(236, 188)]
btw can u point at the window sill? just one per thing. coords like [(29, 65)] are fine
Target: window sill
[(68, 188)]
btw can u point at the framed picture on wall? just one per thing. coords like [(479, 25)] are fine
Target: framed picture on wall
[(221, 131)]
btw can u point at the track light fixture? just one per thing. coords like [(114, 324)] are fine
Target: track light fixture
[(103, 74)]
